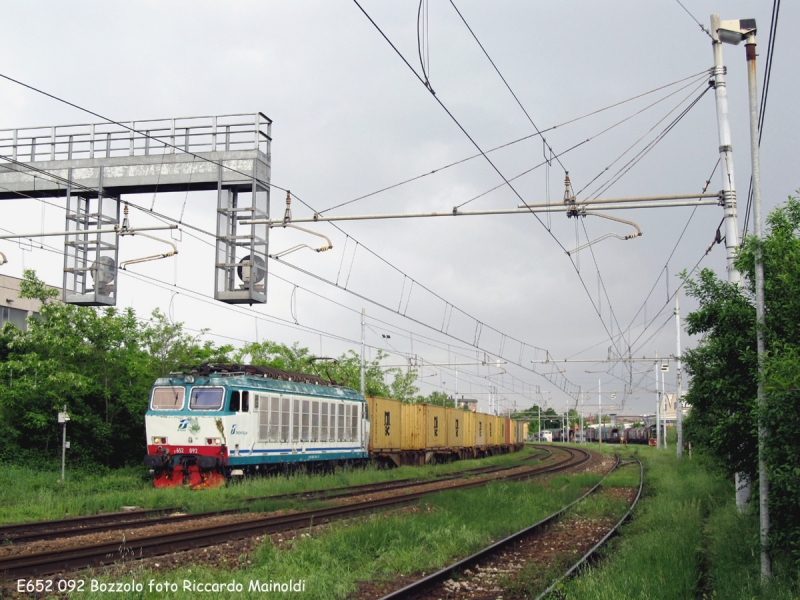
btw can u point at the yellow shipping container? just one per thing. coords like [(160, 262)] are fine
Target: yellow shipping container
[(385, 424), (469, 429), (455, 427), (524, 434), (514, 432), (436, 426), (480, 429), (413, 431), (491, 430)]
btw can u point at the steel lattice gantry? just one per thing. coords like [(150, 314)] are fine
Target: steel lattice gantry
[(93, 165)]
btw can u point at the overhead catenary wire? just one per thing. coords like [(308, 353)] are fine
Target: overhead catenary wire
[(527, 137), (642, 153), (489, 160), (674, 248), (165, 218), (652, 143), (483, 49), (281, 188), (497, 70), (245, 311), (581, 143), (699, 24)]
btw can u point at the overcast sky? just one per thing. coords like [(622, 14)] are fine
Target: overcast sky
[(349, 118)]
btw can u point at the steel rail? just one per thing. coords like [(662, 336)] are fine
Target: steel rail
[(54, 529), (46, 562), (416, 588), (574, 568), (10, 532)]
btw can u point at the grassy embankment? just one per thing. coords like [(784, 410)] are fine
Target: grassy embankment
[(443, 527), (603, 505), (32, 495), (687, 540)]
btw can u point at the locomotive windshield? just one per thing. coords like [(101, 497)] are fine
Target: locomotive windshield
[(206, 398), (168, 398)]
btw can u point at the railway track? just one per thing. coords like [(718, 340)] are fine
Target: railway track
[(429, 586), (89, 555), (586, 557), (49, 530)]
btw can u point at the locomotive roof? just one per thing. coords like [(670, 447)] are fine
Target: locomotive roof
[(207, 369), (257, 377)]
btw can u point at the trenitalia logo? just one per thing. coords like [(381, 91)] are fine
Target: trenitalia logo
[(183, 424)]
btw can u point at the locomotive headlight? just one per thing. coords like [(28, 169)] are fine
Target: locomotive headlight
[(217, 441), (159, 440)]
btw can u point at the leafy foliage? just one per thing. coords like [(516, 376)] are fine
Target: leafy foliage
[(101, 364), (724, 370)]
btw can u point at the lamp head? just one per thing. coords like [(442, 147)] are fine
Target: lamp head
[(733, 32)]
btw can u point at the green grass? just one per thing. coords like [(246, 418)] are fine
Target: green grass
[(658, 555), (445, 526), (535, 577), (734, 564), (31, 495), (686, 540)]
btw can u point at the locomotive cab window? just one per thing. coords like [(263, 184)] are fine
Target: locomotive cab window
[(167, 398), (206, 398), (240, 401)]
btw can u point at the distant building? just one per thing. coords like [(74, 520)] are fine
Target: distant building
[(14, 309), (468, 403), (668, 412)]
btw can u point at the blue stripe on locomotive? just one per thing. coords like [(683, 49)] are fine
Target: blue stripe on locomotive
[(287, 456)]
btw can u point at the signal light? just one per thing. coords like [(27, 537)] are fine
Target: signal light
[(159, 440)]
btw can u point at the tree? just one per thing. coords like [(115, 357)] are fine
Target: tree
[(275, 355), (171, 348), (100, 363), (91, 361), (435, 397), (724, 369)]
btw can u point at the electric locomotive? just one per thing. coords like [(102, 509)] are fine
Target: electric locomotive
[(227, 420)]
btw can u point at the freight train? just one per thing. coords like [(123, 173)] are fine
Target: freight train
[(610, 435), (219, 421)]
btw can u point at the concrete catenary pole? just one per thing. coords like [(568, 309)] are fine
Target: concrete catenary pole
[(729, 193), (664, 411), (725, 155), (363, 343), (658, 405), (763, 433), (600, 412), (678, 410)]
